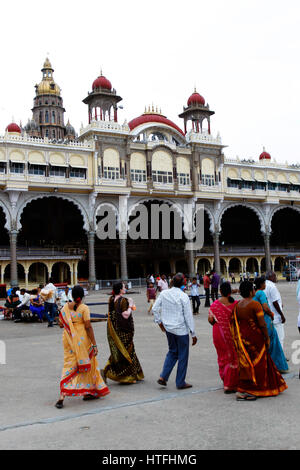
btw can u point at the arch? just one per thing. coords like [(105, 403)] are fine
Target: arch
[(207, 166), (111, 158), (235, 266), (57, 159), (259, 214), (279, 264), (36, 157), (16, 156), (210, 216), (20, 273), (252, 265), (109, 205), (183, 165), (279, 208), (138, 161), (232, 173), (61, 275), (39, 276), (82, 210), (7, 214), (177, 207), (203, 265), (223, 266), (162, 161)]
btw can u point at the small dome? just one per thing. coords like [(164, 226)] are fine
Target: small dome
[(31, 126), (197, 99), (102, 82), (13, 127), (265, 155), (69, 129)]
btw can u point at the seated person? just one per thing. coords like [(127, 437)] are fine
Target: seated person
[(24, 305), (12, 301), (36, 305)]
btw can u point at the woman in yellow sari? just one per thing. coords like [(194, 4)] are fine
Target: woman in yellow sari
[(81, 374)]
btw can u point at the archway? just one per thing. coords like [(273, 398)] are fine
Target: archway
[(252, 265), (235, 266), (284, 226), (4, 236), (223, 267), (279, 264), (240, 226), (38, 273), (61, 272), (203, 266), (52, 222), (21, 274)]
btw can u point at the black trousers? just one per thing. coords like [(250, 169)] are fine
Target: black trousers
[(196, 303), (207, 301), (214, 294)]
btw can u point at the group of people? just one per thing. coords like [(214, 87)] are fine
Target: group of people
[(248, 336), (43, 302)]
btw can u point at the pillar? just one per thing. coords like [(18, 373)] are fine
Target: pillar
[(2, 273), (26, 278), (216, 238), (267, 236), (13, 259), (92, 268), (123, 259), (173, 266), (190, 261)]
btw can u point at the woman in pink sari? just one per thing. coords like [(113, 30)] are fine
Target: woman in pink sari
[(219, 316)]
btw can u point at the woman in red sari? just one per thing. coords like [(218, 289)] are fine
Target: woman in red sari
[(258, 375), (219, 316)]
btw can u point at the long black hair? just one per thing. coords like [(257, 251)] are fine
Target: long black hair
[(246, 287), (225, 289), (77, 294), (259, 281)]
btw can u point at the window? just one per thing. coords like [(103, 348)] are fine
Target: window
[(184, 178), (247, 184), (47, 133), (47, 116), (162, 176), (260, 185), (111, 173), (17, 167), (233, 183), (53, 117), (57, 171), (272, 186), (138, 175), (208, 180), (41, 117), (2, 167), (53, 134), (37, 170), (78, 173)]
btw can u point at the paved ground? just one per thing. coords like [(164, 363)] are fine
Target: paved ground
[(141, 416)]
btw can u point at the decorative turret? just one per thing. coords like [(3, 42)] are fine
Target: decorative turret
[(196, 112), (102, 101)]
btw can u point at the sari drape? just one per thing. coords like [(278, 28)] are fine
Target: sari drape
[(81, 374), (123, 365), (222, 338), (258, 374)]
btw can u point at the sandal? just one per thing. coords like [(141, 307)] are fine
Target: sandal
[(59, 404), (162, 382), (245, 397), (89, 397)]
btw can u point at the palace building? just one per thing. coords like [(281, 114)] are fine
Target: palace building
[(56, 185)]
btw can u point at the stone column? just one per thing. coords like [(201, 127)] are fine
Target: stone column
[(2, 273), (216, 237), (173, 266), (123, 258), (267, 236), (92, 268), (190, 262), (13, 259), (26, 278)]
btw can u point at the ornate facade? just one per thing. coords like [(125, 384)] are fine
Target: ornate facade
[(116, 165)]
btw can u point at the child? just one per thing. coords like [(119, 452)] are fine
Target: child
[(151, 296)]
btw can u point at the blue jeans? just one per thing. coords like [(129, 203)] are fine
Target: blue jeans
[(50, 310), (178, 351)]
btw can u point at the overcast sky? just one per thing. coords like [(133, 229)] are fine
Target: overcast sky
[(242, 56)]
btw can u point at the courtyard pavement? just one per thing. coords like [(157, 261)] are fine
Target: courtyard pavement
[(145, 415)]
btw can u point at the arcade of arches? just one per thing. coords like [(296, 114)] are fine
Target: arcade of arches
[(52, 242)]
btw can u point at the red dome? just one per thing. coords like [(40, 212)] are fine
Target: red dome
[(102, 82), (265, 156), (195, 98), (153, 118), (13, 127)]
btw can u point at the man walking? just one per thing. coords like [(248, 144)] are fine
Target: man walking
[(172, 311), (49, 295), (195, 295), (206, 284), (275, 302)]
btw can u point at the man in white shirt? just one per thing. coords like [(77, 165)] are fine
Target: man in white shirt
[(275, 302), (162, 283), (172, 311), (66, 296), (50, 302), (195, 295), (24, 305)]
